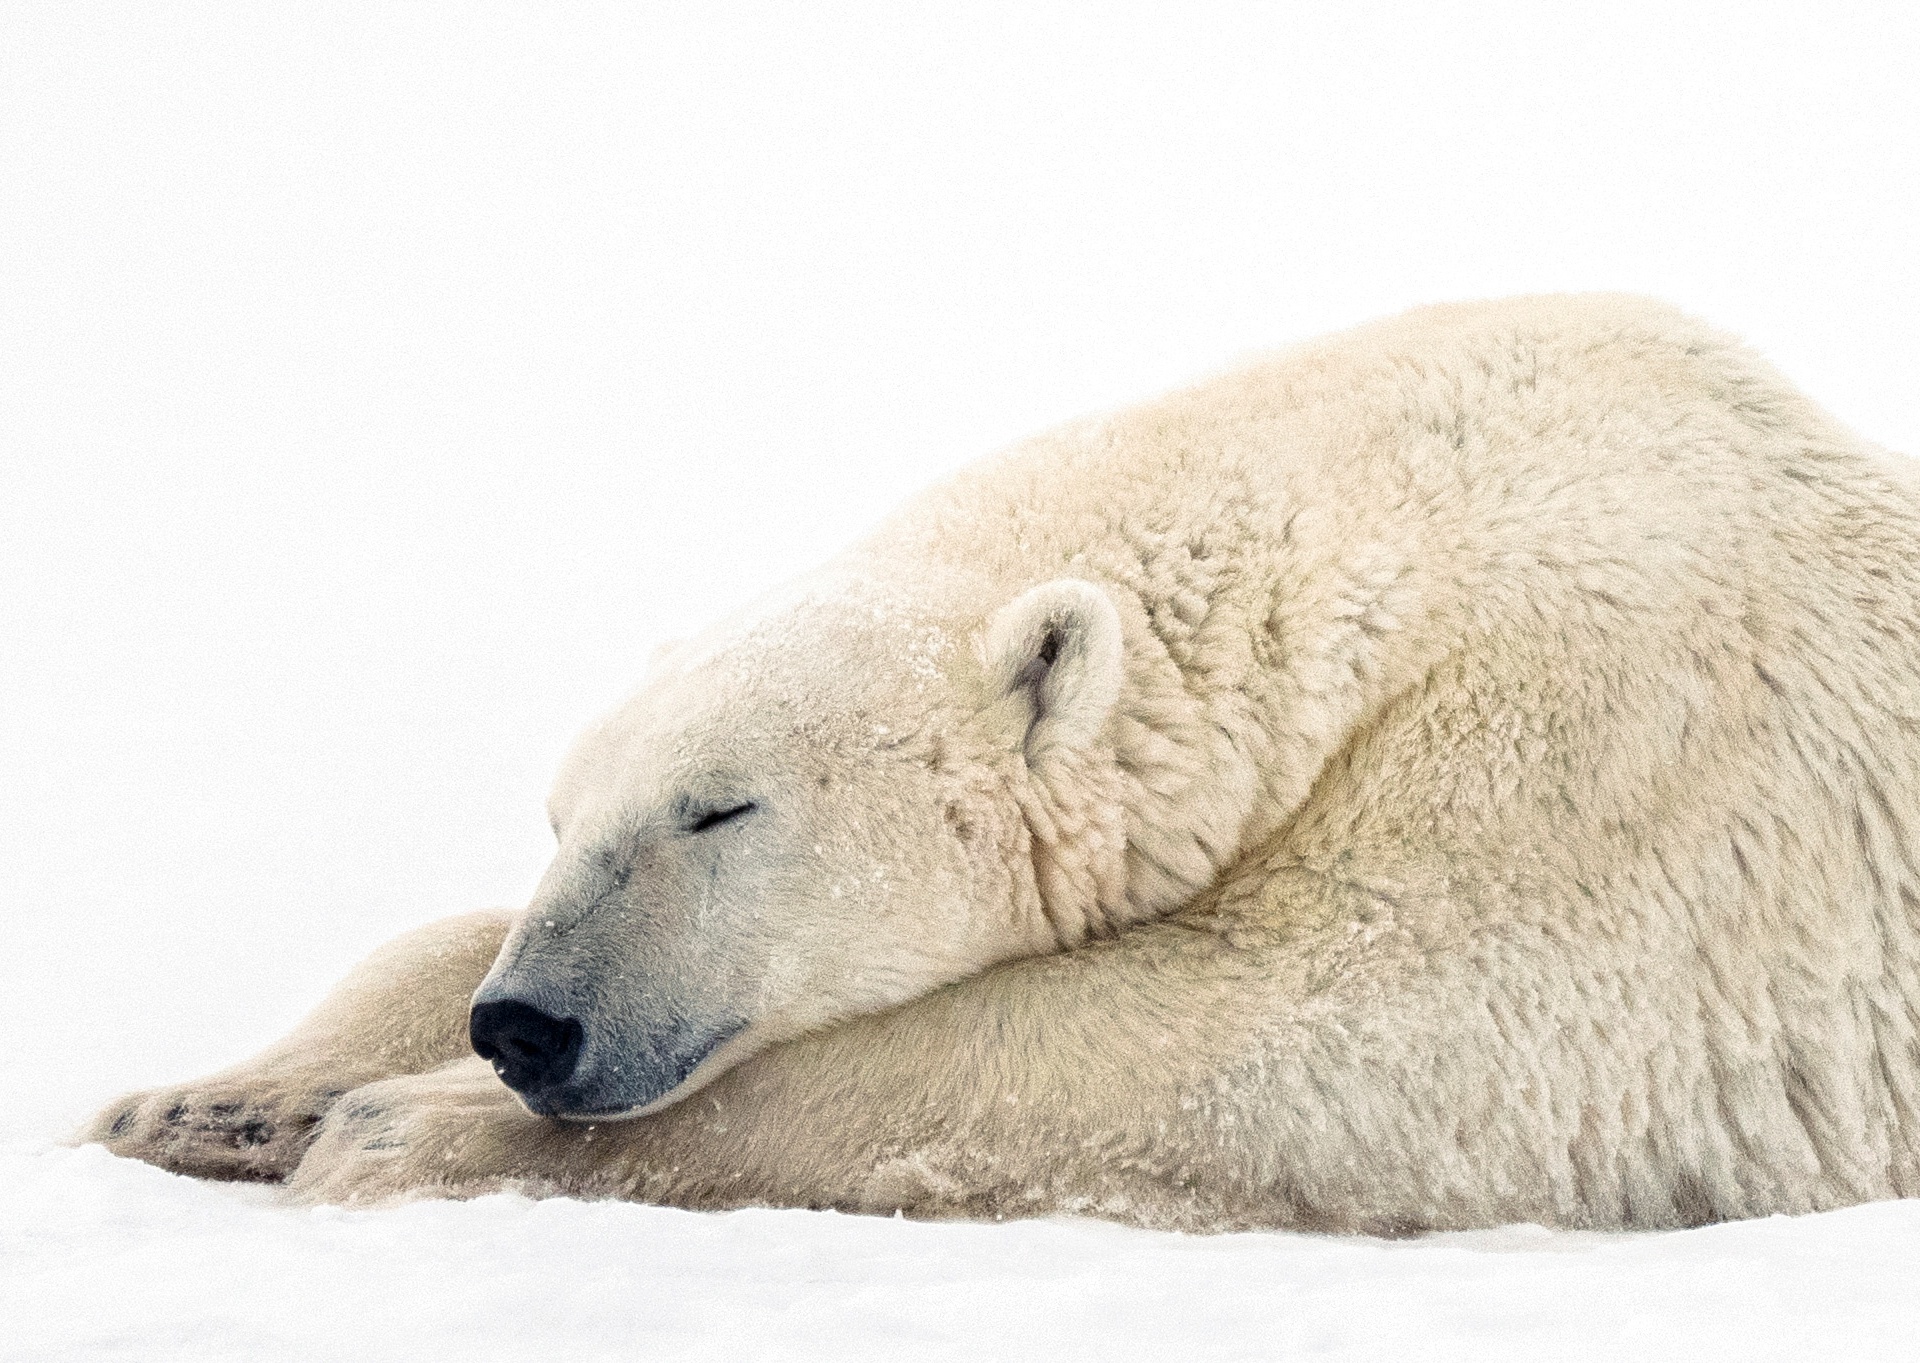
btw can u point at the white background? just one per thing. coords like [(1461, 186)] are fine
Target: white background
[(378, 385)]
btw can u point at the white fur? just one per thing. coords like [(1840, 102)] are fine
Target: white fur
[(1479, 781)]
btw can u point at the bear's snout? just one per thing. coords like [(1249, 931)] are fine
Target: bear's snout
[(531, 1050)]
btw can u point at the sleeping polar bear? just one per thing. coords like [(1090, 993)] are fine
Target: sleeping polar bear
[(1463, 771)]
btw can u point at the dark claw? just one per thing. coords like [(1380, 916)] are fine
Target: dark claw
[(175, 1113), (122, 1124), (255, 1132)]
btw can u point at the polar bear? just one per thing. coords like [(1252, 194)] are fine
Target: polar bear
[(1463, 771)]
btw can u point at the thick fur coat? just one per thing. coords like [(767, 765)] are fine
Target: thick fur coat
[(1463, 771)]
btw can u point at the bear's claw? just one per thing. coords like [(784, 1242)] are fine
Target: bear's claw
[(211, 1130)]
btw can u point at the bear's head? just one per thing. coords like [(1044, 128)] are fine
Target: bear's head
[(827, 811)]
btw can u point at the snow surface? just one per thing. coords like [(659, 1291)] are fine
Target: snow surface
[(109, 1259), (379, 385)]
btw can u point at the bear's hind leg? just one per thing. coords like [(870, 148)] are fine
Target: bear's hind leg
[(401, 1011)]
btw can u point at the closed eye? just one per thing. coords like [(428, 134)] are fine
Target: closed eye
[(713, 818)]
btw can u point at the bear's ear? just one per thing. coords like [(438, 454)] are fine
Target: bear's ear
[(1055, 652)]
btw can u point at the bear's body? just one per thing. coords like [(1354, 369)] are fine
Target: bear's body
[(1460, 772)]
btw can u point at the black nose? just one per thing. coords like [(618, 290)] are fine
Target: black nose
[(530, 1050)]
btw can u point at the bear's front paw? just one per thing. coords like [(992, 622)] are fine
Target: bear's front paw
[(453, 1132), (227, 1126)]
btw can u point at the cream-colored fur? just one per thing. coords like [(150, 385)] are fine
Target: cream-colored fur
[(1466, 770)]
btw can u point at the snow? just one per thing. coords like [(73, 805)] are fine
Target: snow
[(170, 1269), (380, 385)]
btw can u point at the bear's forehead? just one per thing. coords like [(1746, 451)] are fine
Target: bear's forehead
[(836, 649), (822, 681)]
